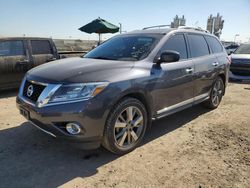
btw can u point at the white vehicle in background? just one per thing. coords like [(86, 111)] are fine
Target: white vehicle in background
[(240, 63)]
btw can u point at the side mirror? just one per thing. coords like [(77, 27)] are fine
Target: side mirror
[(168, 56)]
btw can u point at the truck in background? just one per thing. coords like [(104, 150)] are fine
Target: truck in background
[(18, 55)]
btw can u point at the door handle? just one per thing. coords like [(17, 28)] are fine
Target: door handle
[(215, 64), (189, 70)]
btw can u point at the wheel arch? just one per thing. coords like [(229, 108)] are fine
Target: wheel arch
[(142, 97), (223, 77)]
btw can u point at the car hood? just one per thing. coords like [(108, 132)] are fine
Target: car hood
[(79, 70), (240, 56)]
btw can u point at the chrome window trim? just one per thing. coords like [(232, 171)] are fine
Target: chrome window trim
[(183, 103)]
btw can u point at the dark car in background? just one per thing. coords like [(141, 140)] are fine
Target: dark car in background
[(110, 95), (240, 63), (18, 55)]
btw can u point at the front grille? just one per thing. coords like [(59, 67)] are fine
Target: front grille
[(243, 61), (240, 67), (241, 73), (37, 90)]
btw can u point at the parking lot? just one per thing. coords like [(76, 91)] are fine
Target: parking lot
[(195, 147)]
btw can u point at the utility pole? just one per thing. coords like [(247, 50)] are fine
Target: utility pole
[(236, 35)]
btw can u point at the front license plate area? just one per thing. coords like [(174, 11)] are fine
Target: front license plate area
[(25, 113)]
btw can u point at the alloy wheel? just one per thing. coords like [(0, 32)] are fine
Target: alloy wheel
[(217, 93), (128, 127)]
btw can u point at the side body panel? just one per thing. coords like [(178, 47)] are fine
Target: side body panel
[(14, 67)]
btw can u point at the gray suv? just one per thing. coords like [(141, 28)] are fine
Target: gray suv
[(110, 96)]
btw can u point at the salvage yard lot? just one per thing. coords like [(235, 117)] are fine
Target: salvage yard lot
[(195, 147)]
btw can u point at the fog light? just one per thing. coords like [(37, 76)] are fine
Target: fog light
[(73, 128)]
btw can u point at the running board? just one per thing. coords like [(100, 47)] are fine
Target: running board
[(180, 106)]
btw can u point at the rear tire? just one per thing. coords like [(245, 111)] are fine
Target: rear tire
[(216, 94), (125, 126)]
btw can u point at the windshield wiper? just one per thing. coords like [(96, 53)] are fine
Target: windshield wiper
[(101, 57)]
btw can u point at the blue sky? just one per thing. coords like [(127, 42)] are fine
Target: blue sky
[(61, 18)]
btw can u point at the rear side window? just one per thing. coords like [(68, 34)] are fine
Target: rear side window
[(198, 45), (11, 48), (214, 44), (41, 47), (176, 43)]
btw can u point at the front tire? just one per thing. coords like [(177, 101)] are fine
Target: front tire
[(125, 127), (216, 94)]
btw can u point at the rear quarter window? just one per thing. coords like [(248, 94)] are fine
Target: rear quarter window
[(198, 45), (41, 47), (214, 44), (11, 48)]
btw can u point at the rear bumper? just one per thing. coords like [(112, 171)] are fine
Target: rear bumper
[(52, 120)]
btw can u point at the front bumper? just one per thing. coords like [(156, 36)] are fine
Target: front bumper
[(90, 115), (233, 77)]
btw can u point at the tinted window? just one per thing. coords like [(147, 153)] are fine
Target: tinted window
[(125, 48), (41, 47), (198, 45), (176, 43), (11, 48), (243, 49), (214, 44), (232, 46)]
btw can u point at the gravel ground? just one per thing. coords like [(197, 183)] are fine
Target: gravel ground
[(193, 148)]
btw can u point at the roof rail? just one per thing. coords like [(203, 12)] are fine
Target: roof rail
[(194, 28), (156, 26)]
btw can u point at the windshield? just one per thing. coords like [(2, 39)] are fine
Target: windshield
[(243, 49), (125, 48)]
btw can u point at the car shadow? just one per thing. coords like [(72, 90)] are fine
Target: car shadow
[(29, 158), (239, 81), (8, 93)]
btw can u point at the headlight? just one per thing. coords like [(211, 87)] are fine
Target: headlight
[(81, 91)]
